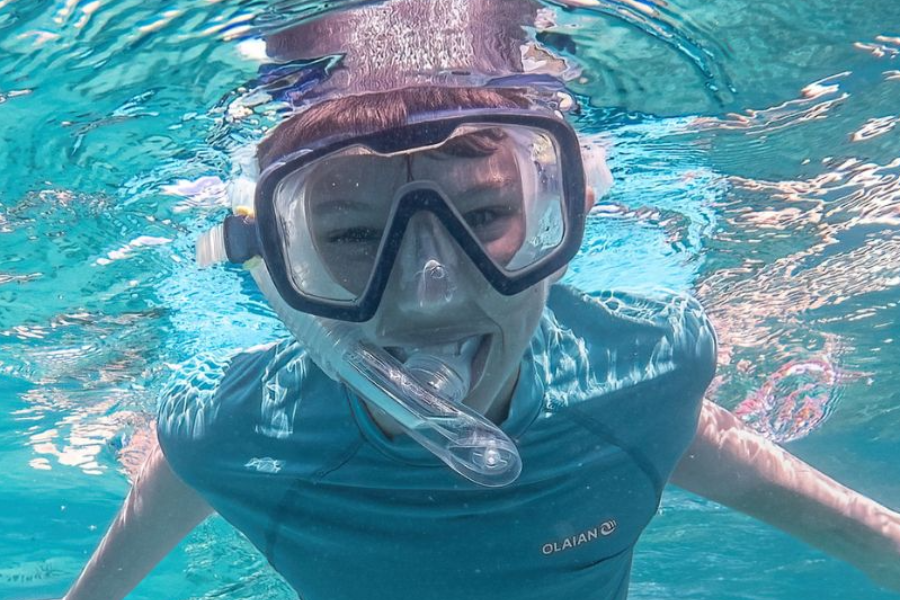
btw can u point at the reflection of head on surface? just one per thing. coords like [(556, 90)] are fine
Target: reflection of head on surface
[(397, 43), (369, 113)]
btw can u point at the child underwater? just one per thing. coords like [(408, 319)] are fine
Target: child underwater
[(448, 420)]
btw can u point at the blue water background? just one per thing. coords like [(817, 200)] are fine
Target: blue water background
[(756, 154)]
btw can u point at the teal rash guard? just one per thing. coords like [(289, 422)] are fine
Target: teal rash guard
[(607, 401)]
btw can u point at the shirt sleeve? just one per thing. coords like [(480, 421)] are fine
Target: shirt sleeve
[(669, 405), (188, 409), (215, 409), (650, 359)]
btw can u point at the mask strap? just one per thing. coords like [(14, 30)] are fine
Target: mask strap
[(235, 239)]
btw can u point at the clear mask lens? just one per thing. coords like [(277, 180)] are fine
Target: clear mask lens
[(502, 181)]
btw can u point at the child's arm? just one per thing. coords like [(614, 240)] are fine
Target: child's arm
[(734, 466), (158, 512)]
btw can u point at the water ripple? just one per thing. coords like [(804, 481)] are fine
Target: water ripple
[(675, 29), (803, 253)]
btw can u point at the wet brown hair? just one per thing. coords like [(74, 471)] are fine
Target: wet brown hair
[(368, 113)]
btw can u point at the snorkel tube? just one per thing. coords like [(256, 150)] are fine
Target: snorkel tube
[(424, 395)]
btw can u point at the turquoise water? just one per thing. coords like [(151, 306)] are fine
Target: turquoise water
[(757, 156)]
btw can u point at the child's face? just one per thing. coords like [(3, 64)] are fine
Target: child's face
[(351, 199)]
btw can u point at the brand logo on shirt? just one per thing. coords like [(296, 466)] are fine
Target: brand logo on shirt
[(266, 464), (602, 530)]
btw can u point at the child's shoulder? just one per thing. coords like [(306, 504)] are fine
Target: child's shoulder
[(659, 309), (211, 396), (636, 336)]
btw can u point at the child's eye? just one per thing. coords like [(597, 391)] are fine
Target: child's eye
[(481, 217), (485, 217), (355, 235)]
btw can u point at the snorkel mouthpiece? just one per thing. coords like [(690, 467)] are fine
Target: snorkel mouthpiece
[(424, 395), (448, 375), (467, 442)]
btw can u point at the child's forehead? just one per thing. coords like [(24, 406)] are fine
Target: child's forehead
[(365, 114)]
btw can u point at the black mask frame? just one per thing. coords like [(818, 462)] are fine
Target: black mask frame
[(248, 237)]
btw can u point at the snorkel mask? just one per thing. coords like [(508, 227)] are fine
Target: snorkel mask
[(325, 233)]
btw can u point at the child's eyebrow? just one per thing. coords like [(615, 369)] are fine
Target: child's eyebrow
[(331, 207), (488, 184)]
